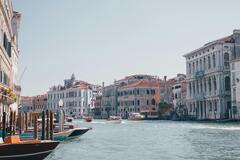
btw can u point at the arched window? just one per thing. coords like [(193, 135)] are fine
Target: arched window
[(226, 59), (138, 102), (204, 63), (190, 88), (193, 67), (201, 64), (214, 83), (201, 86), (209, 62), (210, 106), (193, 85), (209, 84), (197, 87), (214, 60), (189, 68), (205, 85), (227, 83), (197, 66), (153, 102)]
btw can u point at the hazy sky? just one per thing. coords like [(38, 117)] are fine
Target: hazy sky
[(103, 40)]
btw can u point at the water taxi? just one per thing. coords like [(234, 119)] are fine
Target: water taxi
[(114, 119), (136, 117)]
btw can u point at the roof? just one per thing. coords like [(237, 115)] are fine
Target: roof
[(220, 40), (142, 83)]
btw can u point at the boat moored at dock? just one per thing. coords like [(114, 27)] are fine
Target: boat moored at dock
[(136, 117), (14, 149)]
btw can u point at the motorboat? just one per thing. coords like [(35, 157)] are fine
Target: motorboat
[(69, 119), (114, 119), (15, 149), (88, 118), (136, 117), (58, 136)]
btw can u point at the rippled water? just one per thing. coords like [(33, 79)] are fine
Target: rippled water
[(150, 140)]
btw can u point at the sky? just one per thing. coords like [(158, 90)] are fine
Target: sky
[(105, 40)]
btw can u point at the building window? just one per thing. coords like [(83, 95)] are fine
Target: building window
[(147, 91), (204, 63), (193, 67), (214, 83), (209, 84), (233, 78), (190, 88), (193, 88), (153, 102), (209, 62), (138, 102), (205, 85), (214, 61), (201, 64), (215, 105), (197, 87), (189, 67), (226, 59), (196, 65), (227, 83), (210, 106)]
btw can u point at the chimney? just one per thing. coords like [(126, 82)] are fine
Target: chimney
[(102, 84)]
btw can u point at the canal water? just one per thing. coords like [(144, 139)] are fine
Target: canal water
[(153, 140)]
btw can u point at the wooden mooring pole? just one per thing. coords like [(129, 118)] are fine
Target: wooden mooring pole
[(14, 122), (48, 126), (11, 124), (51, 124), (36, 128), (43, 125), (4, 126)]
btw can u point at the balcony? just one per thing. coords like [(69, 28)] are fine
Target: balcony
[(7, 95)]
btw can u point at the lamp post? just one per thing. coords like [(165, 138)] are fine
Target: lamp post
[(60, 115)]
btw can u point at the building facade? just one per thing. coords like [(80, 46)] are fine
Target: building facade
[(109, 101), (35, 104), (9, 52), (209, 79), (116, 102), (179, 91), (141, 96), (26, 104), (235, 75), (78, 97), (166, 95)]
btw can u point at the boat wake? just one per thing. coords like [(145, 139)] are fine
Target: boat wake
[(216, 127)]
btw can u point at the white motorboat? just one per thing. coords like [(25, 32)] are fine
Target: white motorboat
[(114, 119)]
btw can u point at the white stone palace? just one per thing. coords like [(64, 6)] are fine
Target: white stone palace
[(78, 97), (209, 79)]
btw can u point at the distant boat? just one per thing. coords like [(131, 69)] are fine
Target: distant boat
[(136, 116), (14, 149), (88, 118), (69, 119), (114, 119), (58, 136)]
